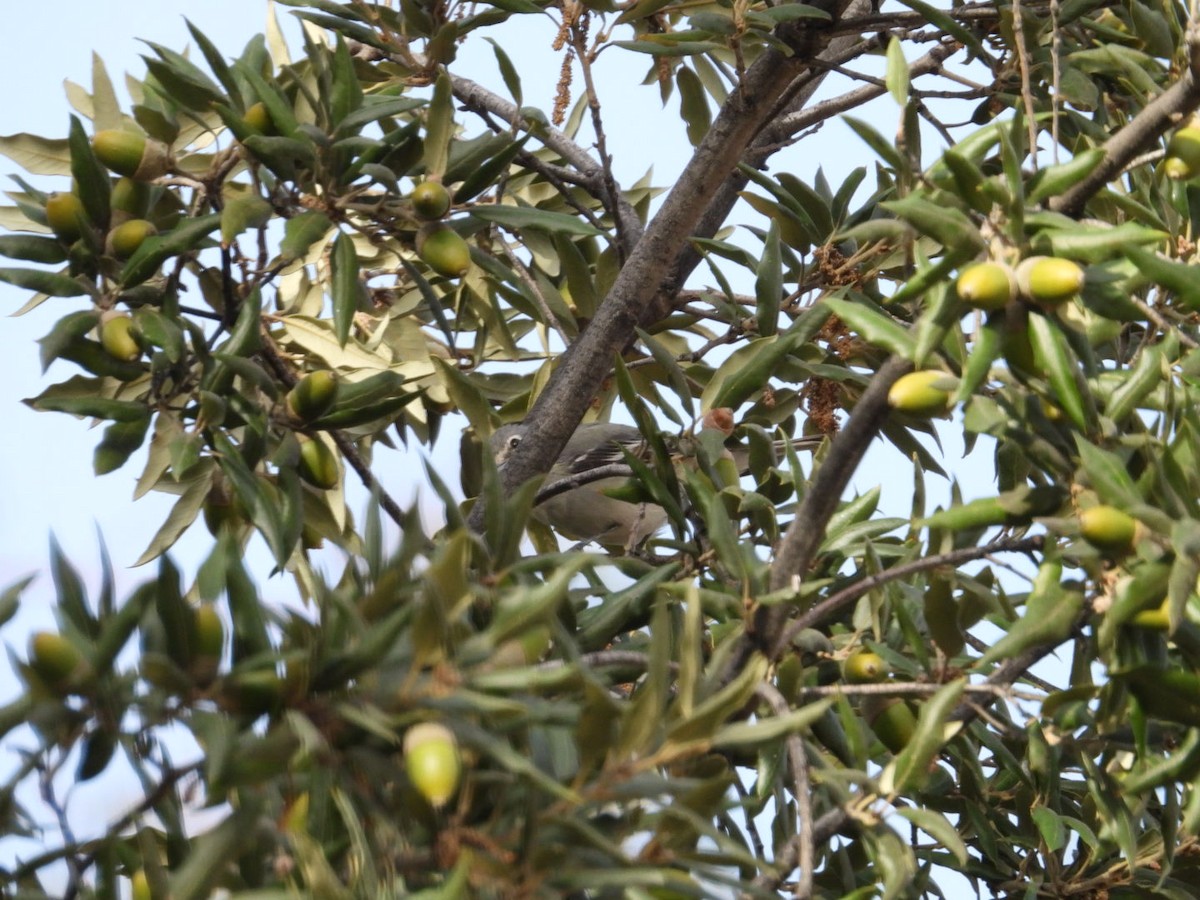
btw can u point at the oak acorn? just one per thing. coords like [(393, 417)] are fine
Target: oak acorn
[(132, 154), (1048, 280), (923, 393), (987, 285), (432, 762)]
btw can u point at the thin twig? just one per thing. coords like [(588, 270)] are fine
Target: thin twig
[(798, 763), (842, 598)]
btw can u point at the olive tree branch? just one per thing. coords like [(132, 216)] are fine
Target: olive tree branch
[(561, 405), (1162, 113), (827, 607)]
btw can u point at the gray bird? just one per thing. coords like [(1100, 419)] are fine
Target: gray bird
[(586, 513)]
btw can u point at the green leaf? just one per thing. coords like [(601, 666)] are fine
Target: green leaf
[(43, 282), (517, 217), (896, 76), (768, 286), (937, 827), (1054, 357), (346, 288), (767, 730), (873, 325), (301, 232), (949, 226), (910, 769), (80, 396), (38, 155), (92, 183), (185, 237), (33, 248), (242, 212), (693, 105), (439, 126)]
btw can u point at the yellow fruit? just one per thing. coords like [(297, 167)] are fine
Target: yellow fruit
[(1183, 154), (1048, 280), (987, 285), (864, 667), (430, 200), (318, 464), (116, 336), (1108, 529), (56, 660), (132, 154), (446, 252), (924, 393), (130, 200), (140, 886), (66, 216), (892, 720), (258, 119), (313, 395), (432, 762), (124, 240)]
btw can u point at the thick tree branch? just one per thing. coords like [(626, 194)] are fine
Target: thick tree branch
[(560, 407), (1162, 113)]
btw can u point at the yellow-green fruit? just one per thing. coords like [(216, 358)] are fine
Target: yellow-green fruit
[(258, 119), (140, 886), (1183, 154), (864, 667), (318, 464), (116, 336), (221, 510), (430, 200), (892, 720), (1108, 529), (66, 216), (446, 252), (132, 154), (209, 631), (55, 659), (987, 285), (124, 240), (313, 395), (1048, 280), (432, 762), (208, 643), (130, 200), (255, 692), (924, 393)]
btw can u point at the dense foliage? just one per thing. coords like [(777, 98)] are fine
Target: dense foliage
[(283, 268)]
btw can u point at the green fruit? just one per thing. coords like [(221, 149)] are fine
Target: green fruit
[(132, 154), (130, 200), (432, 762), (257, 118), (1108, 529), (116, 336), (430, 200), (313, 395), (66, 216), (444, 250), (1048, 280), (892, 720), (124, 240), (924, 393), (318, 464), (987, 285), (56, 660), (1183, 154), (254, 692), (864, 667)]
